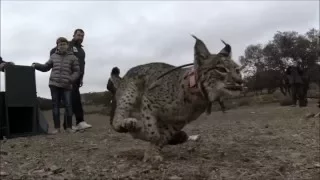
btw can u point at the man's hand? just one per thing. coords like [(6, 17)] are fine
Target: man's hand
[(5, 65), (81, 83), (8, 64)]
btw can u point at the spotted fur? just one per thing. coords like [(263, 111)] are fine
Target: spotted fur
[(167, 104)]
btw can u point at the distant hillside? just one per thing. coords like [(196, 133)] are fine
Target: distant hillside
[(100, 99)]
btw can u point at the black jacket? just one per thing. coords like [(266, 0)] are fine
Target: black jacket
[(79, 53), (1, 60), (111, 87)]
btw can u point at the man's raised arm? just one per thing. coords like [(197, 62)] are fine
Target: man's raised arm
[(53, 50)]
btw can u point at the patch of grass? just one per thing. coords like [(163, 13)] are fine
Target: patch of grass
[(244, 102)]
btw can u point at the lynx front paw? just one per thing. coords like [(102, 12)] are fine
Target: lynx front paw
[(131, 124)]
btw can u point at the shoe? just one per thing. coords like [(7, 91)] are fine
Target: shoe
[(83, 125), (55, 131), (69, 130)]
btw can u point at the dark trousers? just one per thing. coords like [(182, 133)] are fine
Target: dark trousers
[(297, 93), (76, 105), (305, 95), (58, 94)]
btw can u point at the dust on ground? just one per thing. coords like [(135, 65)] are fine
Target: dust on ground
[(263, 142)]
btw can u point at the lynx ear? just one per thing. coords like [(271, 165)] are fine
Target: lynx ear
[(201, 53), (226, 51)]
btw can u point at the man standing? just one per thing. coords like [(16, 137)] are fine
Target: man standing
[(114, 72), (76, 47), (110, 86), (295, 77)]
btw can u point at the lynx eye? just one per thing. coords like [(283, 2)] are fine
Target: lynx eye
[(222, 69), (238, 70)]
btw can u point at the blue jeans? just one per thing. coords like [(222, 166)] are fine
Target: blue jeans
[(76, 106), (58, 94)]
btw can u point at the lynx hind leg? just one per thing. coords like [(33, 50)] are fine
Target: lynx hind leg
[(172, 135), (122, 122), (179, 137), (160, 135)]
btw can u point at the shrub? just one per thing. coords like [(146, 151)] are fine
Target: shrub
[(285, 101)]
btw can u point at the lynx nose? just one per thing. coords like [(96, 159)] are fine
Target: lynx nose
[(239, 81)]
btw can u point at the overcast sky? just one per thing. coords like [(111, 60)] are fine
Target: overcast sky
[(126, 34)]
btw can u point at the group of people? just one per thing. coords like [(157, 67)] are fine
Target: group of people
[(67, 65), (298, 84)]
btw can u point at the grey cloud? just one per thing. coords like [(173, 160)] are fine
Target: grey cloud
[(125, 34)]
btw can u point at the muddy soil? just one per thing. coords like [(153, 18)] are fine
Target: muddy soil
[(265, 142)]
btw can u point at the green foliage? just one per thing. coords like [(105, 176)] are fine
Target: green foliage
[(265, 63), (97, 98)]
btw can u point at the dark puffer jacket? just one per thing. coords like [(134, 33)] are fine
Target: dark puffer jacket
[(65, 69), (79, 52)]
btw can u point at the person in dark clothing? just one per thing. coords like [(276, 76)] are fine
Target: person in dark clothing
[(1, 61), (75, 46), (115, 71), (296, 82), (305, 88), (4, 64), (110, 86)]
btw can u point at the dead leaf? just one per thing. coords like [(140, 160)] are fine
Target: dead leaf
[(309, 115), (58, 171), (39, 171), (2, 173), (175, 177), (317, 165)]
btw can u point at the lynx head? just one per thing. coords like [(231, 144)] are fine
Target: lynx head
[(217, 74)]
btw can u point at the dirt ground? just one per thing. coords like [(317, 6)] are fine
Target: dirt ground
[(264, 142)]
